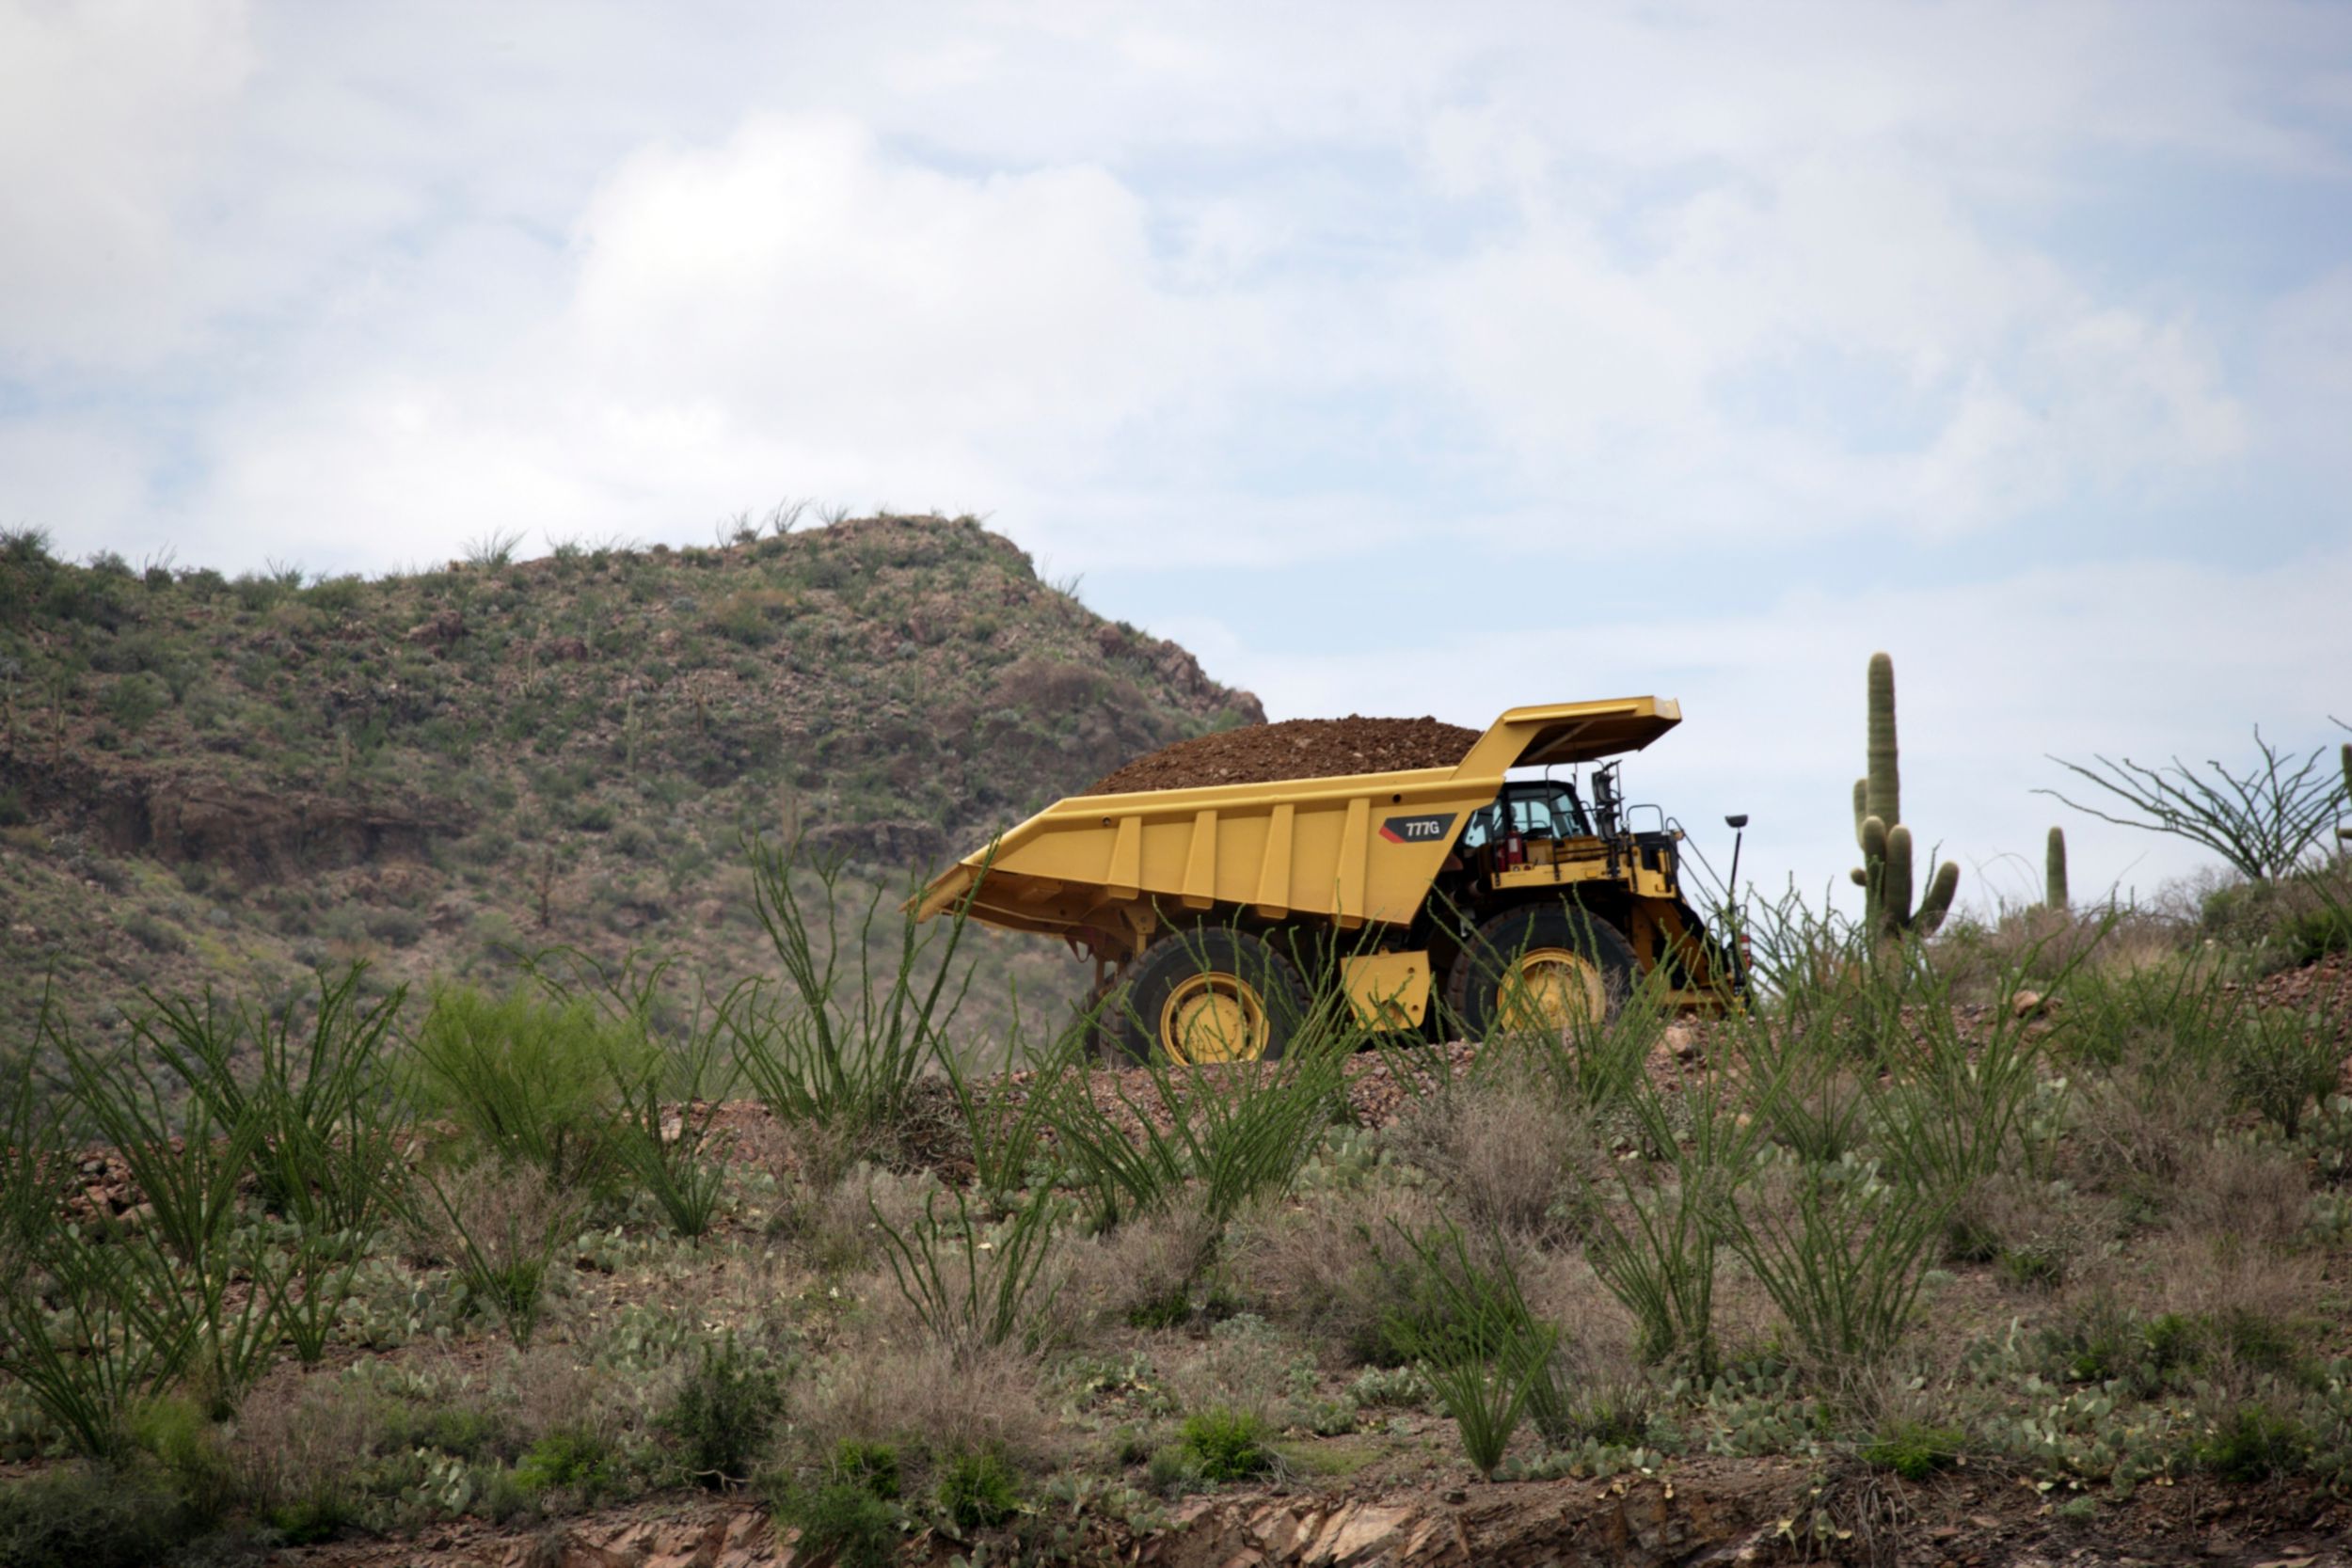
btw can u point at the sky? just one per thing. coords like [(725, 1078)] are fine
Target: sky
[(1397, 359)]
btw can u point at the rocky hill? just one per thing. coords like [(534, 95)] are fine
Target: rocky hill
[(236, 781)]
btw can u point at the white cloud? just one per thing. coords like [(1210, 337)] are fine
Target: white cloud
[(1621, 381), (106, 114)]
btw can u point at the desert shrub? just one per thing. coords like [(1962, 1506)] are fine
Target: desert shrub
[(188, 1450), (395, 927), (840, 1522), (976, 1287), (156, 936), (1479, 1347), (2100, 1341), (336, 595), (91, 1516), (1841, 1252), (1322, 1266), (2306, 938), (1655, 1250), (842, 1044), (2285, 1059), (978, 1491), (723, 1414), (2244, 1195), (660, 1139), (2139, 1130), (927, 1405), (529, 1079), (1914, 1449), (1227, 1445), (331, 1112)]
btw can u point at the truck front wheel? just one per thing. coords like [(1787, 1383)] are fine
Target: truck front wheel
[(1541, 966), (1209, 995)]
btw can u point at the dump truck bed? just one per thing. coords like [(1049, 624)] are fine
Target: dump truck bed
[(1357, 849)]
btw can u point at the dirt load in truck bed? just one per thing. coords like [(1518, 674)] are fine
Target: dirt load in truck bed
[(1293, 749)]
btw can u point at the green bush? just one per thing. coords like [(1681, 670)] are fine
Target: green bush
[(307, 1521), (395, 927), (723, 1414), (90, 1516), (1914, 1449), (978, 1491), (134, 699), (190, 1453), (532, 1080), (1227, 1445), (2284, 1060)]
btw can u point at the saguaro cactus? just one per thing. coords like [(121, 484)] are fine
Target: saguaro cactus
[(2346, 833), (1884, 873), (2054, 871)]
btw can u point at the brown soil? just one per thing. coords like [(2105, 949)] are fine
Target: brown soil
[(1294, 749)]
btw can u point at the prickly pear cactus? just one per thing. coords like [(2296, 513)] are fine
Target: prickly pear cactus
[(2054, 871), (1885, 872)]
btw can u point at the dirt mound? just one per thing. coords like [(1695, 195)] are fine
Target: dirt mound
[(1294, 749)]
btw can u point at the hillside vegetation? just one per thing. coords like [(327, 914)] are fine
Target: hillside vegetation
[(236, 782)]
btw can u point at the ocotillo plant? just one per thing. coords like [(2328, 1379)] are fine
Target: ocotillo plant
[(2346, 832), (1884, 873), (2054, 871)]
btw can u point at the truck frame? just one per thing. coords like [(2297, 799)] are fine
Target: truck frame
[(1456, 894)]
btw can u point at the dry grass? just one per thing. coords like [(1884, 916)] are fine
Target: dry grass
[(2037, 1234), (1506, 1155), (1325, 1268), (303, 1434), (927, 1405), (2138, 1130), (1142, 1265), (2257, 1196)]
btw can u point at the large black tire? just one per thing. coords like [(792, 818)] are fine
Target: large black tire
[(1205, 995), (1562, 955), (1099, 1013)]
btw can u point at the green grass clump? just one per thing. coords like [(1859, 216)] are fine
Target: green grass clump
[(1914, 1449), (843, 1523), (871, 1465), (979, 1490), (1227, 1445), (571, 1458), (851, 1517), (2255, 1442)]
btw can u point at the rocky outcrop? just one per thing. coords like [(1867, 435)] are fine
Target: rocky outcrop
[(251, 834)]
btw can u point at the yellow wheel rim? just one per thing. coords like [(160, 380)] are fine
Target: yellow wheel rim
[(1550, 988), (1214, 1017)]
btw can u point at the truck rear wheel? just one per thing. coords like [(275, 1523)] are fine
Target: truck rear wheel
[(1541, 966), (1209, 995)]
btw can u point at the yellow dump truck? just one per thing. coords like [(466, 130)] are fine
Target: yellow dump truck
[(1456, 897)]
